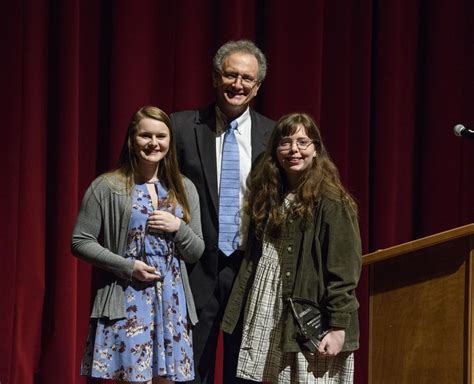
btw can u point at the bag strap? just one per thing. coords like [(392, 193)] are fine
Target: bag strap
[(295, 312)]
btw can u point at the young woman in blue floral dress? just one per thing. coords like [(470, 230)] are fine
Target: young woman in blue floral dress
[(139, 224)]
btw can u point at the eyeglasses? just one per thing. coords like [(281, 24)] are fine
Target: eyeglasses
[(232, 77), (286, 144)]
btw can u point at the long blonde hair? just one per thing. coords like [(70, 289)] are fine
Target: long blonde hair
[(268, 185)]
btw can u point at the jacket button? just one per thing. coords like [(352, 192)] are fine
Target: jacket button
[(290, 248), (288, 274)]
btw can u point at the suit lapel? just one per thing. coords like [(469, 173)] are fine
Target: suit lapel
[(259, 136), (206, 142)]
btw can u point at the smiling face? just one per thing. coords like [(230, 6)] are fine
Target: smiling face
[(151, 142), (295, 154), (236, 85)]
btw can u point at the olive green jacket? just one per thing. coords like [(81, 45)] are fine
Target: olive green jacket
[(321, 262)]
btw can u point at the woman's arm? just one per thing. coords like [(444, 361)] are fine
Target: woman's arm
[(343, 262), (188, 237), (85, 244), (342, 268)]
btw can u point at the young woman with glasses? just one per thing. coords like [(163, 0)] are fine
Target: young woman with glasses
[(303, 243)]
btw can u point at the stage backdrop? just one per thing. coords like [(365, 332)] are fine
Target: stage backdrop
[(386, 81)]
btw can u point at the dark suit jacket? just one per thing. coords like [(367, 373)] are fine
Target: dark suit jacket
[(196, 148)]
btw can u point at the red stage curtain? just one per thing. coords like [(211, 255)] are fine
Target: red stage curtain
[(386, 80)]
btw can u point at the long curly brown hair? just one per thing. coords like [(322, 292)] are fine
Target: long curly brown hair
[(168, 170), (267, 185)]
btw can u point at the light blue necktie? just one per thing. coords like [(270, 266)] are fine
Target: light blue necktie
[(229, 201)]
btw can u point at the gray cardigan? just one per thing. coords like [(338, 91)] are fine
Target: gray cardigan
[(105, 210)]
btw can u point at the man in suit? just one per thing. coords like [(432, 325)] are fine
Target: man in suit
[(239, 69)]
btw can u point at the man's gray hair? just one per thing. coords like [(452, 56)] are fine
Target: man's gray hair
[(245, 46)]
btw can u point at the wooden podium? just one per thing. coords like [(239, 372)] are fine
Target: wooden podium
[(421, 310)]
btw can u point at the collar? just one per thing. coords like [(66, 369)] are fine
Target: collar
[(222, 120)]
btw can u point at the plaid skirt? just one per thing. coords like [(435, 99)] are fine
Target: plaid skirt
[(261, 357)]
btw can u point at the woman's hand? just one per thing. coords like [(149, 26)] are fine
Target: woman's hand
[(144, 272), (163, 221), (332, 343)]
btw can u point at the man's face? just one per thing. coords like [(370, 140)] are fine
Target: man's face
[(237, 84)]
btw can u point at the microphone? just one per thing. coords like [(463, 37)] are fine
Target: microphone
[(461, 130)]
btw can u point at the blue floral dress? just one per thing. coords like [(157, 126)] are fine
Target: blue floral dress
[(155, 337)]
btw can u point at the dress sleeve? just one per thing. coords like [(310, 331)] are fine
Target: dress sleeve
[(85, 244), (189, 238), (343, 262)]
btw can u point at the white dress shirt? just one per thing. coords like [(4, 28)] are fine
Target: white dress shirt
[(243, 136)]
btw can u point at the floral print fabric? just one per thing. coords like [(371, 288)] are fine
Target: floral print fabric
[(155, 337)]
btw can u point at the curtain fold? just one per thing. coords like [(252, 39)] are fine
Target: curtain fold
[(23, 190)]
